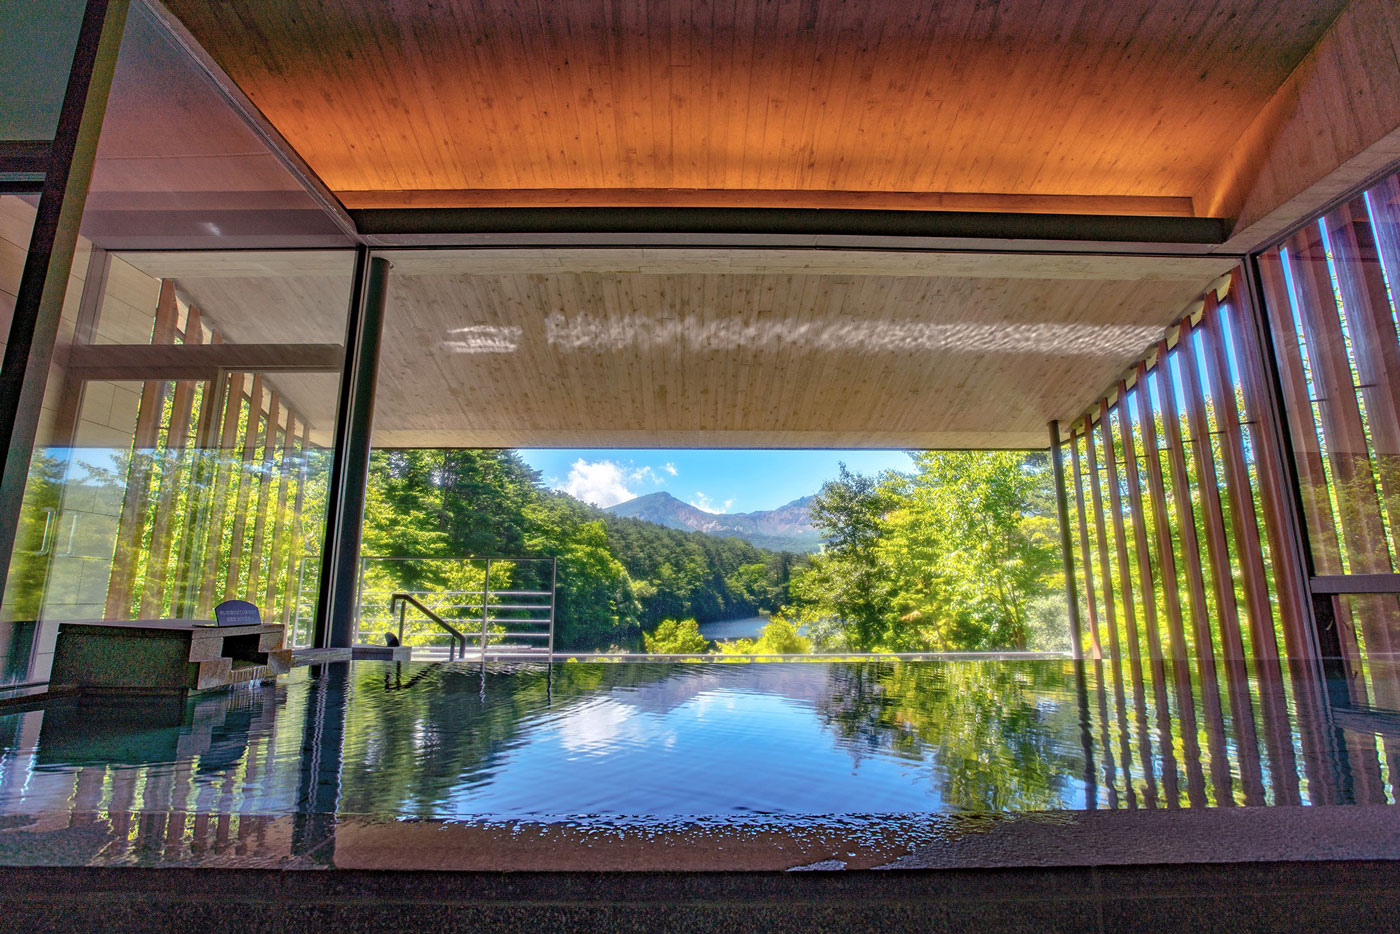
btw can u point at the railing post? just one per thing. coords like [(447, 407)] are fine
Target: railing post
[(553, 596), (485, 607)]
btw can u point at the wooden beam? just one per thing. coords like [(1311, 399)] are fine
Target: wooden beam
[(1010, 202), (1334, 123), (200, 362)]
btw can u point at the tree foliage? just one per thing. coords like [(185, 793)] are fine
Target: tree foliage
[(952, 556)]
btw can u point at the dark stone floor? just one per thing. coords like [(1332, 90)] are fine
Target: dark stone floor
[(1331, 896)]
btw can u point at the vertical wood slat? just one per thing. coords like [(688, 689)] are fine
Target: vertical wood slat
[(1304, 432), (1208, 491), (192, 539), (1376, 350), (1195, 579), (131, 525), (1096, 648), (256, 563), (1185, 511), (172, 472), (1125, 575), (228, 438), (1274, 495), (1244, 519), (245, 479), (1323, 545), (1342, 426), (1366, 304), (303, 463), (1222, 570), (1339, 418), (284, 471), (1120, 538), (1110, 615), (1171, 594), (1161, 517), (1150, 620), (1245, 526)]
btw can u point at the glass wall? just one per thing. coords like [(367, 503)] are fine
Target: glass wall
[(1331, 295), (184, 442)]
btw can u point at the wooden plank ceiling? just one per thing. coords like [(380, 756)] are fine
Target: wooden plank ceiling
[(1100, 106), (736, 348)]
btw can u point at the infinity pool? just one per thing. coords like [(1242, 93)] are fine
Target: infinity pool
[(650, 747)]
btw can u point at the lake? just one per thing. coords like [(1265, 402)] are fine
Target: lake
[(749, 627)]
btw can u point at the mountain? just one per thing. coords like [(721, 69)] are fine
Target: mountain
[(787, 528)]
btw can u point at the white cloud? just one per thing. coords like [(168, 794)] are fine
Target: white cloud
[(702, 503), (644, 475), (602, 483), (669, 467)]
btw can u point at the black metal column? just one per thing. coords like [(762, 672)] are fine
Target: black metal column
[(44, 282), (345, 495), (1057, 461)]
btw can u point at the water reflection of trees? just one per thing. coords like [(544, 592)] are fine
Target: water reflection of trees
[(1000, 735), (415, 735)]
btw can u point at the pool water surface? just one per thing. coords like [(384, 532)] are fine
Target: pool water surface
[(657, 746)]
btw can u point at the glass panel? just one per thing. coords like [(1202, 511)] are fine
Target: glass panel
[(182, 455), (1330, 294), (42, 36)]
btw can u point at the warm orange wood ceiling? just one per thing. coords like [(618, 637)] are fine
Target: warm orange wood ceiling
[(586, 102)]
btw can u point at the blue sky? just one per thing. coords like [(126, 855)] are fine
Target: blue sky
[(713, 480)]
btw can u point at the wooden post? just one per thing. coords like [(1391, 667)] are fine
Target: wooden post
[(189, 551), (1208, 489), (1096, 648), (245, 484), (274, 572), (296, 530), (1109, 613), (1120, 538), (255, 564), (228, 438), (1161, 517), (1057, 463), (171, 479), (132, 524)]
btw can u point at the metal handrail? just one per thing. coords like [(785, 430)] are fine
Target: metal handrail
[(403, 600)]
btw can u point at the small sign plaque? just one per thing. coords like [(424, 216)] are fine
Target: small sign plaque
[(237, 613)]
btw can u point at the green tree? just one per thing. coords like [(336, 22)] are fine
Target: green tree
[(676, 637)]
